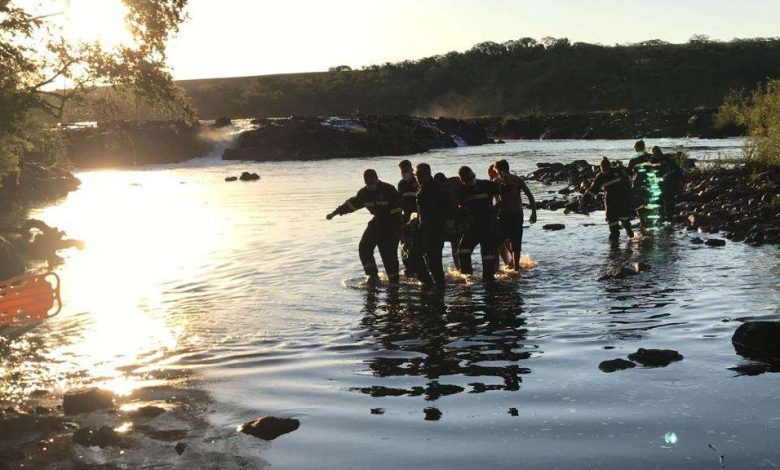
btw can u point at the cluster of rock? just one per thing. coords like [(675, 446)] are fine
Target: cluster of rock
[(743, 205), (315, 138), (245, 176), (643, 357), (132, 143), (611, 125), (34, 182), (33, 240)]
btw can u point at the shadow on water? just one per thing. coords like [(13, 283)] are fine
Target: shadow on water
[(478, 334), (645, 278)]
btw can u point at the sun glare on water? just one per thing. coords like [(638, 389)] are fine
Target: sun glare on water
[(140, 240)]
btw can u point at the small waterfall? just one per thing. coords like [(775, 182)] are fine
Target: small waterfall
[(459, 140)]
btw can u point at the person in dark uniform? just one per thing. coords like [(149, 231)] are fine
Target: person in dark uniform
[(476, 198), (381, 200), (455, 218), (670, 176), (510, 211), (640, 181), (433, 205), (407, 189), (615, 183)]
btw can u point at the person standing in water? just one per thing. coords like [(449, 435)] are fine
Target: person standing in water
[(455, 223), (476, 198), (638, 170), (615, 183), (433, 205), (510, 211), (407, 189), (384, 203)]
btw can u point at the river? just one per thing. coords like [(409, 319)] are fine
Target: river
[(246, 290)]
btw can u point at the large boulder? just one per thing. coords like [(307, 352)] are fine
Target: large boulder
[(270, 427), (758, 340)]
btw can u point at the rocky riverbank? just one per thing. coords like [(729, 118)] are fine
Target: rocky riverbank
[(740, 202), (610, 125), (316, 138), (133, 143)]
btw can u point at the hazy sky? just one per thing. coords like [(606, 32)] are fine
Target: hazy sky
[(250, 37)]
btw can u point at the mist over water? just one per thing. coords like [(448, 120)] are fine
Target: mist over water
[(248, 291)]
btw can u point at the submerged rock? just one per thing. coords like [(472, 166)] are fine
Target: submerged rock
[(103, 437), (615, 365), (553, 227), (377, 411), (655, 357), (432, 414), (697, 241), (620, 272), (758, 340), (180, 448), (270, 427), (86, 401), (146, 412), (231, 178), (715, 242)]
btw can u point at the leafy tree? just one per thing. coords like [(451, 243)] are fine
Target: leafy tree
[(35, 54), (759, 112)]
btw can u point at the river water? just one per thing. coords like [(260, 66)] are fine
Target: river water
[(249, 292)]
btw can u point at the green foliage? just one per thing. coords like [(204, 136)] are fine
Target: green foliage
[(760, 114), (34, 53)]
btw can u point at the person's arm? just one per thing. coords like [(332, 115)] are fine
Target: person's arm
[(596, 185), (531, 201), (350, 205), (394, 203)]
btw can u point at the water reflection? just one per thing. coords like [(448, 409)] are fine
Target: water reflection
[(479, 334)]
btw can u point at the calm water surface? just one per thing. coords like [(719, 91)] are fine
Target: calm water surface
[(248, 289)]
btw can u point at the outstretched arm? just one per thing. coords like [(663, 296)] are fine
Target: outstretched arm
[(350, 205), (531, 201)]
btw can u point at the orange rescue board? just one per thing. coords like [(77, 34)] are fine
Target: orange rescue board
[(26, 300)]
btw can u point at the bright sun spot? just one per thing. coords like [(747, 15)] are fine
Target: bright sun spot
[(100, 21)]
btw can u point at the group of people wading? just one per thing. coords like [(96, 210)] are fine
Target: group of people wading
[(425, 210)]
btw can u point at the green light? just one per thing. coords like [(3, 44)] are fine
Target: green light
[(670, 438)]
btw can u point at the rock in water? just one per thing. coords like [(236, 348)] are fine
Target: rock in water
[(618, 272), (715, 242), (655, 357), (554, 227), (85, 401), (615, 365), (246, 176), (270, 427), (432, 414), (697, 241), (758, 340), (103, 437), (180, 447), (231, 178)]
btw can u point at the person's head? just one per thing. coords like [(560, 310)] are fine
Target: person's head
[(466, 175), (657, 152), (639, 146), (492, 172), (605, 165), (502, 166), (406, 169), (440, 178), (370, 178), (423, 174)]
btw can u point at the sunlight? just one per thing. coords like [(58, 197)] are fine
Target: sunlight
[(101, 21)]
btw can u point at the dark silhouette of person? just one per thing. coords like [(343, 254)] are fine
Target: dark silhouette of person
[(407, 189), (510, 211), (384, 203), (476, 198), (433, 205), (615, 183)]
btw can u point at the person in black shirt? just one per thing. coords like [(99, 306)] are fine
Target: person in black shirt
[(381, 200), (615, 183), (407, 189), (433, 205), (476, 198)]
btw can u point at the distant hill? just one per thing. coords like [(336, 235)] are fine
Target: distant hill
[(514, 78)]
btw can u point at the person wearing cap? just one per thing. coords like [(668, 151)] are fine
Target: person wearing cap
[(383, 202)]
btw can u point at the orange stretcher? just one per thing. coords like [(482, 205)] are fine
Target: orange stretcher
[(25, 301)]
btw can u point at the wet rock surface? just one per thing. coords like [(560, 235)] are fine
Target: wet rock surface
[(655, 357), (553, 227), (315, 138), (85, 401), (615, 365), (103, 437), (246, 176), (758, 340), (270, 427)]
